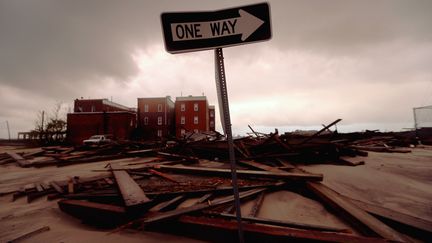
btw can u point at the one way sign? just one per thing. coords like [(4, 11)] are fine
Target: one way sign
[(194, 31)]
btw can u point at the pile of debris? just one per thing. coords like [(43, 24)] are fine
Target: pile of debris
[(185, 186), (191, 196)]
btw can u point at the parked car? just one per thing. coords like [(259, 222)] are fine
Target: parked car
[(99, 139)]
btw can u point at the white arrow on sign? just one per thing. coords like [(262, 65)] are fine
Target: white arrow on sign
[(244, 25)]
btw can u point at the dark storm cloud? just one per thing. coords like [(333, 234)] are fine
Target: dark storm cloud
[(320, 54), (336, 26)]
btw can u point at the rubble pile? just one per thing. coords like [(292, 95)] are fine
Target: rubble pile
[(185, 186)]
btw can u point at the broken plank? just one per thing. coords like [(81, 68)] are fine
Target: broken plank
[(56, 187), (394, 215), (30, 234), (99, 213), (163, 175), (243, 173), (260, 166), (283, 223), (132, 193), (19, 159), (164, 206), (355, 215), (350, 161), (197, 207), (257, 205), (264, 233)]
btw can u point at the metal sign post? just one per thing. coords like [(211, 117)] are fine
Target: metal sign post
[(196, 31), (226, 123)]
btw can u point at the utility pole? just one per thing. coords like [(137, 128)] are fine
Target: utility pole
[(7, 125)]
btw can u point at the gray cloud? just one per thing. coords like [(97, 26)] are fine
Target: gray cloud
[(60, 50)]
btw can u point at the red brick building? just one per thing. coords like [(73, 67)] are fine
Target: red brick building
[(98, 105), (191, 115), (212, 118), (156, 117), (99, 116)]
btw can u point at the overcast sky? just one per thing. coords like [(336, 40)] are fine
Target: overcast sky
[(367, 62)]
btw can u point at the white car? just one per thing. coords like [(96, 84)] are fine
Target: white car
[(98, 139)]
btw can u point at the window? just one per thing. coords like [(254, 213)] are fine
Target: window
[(195, 106), (93, 108), (145, 120), (211, 113), (159, 120), (182, 132), (195, 130), (159, 107), (195, 120), (159, 133), (182, 107), (145, 108), (212, 123), (182, 120)]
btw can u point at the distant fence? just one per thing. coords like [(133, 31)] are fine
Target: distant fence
[(43, 136), (422, 117)]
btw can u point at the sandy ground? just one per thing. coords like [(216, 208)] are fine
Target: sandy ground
[(397, 181), (402, 182)]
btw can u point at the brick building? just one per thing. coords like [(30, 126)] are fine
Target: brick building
[(212, 118), (99, 116), (156, 117), (191, 115), (98, 105)]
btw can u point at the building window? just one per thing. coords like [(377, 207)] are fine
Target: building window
[(145, 108), (195, 106), (211, 113), (182, 120), (195, 119), (93, 108), (212, 123), (182, 132), (159, 107), (182, 107), (159, 133), (195, 130), (145, 120), (159, 120)]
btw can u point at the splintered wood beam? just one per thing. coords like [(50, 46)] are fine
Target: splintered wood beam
[(30, 234), (132, 193), (266, 233), (94, 212), (283, 223), (319, 132), (257, 205), (19, 159), (244, 173), (197, 207), (168, 204), (355, 215), (396, 216), (260, 166)]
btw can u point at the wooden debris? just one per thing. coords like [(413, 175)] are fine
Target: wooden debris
[(19, 159), (354, 214), (58, 188), (131, 192), (257, 205), (99, 213), (30, 234), (177, 212), (264, 233), (163, 175), (240, 173)]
